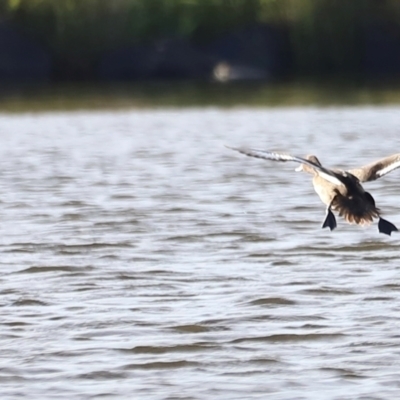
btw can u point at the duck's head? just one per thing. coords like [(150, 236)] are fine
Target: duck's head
[(308, 168)]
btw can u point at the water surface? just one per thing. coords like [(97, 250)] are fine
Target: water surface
[(142, 259)]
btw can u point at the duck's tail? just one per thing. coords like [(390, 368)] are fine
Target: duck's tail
[(360, 210)]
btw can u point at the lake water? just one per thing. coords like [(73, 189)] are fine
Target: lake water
[(140, 259)]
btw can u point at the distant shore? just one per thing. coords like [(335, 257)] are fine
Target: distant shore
[(111, 96)]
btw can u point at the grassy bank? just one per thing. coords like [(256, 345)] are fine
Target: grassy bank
[(181, 94), (325, 34)]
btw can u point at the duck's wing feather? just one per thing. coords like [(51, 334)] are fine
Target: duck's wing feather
[(325, 173), (377, 169)]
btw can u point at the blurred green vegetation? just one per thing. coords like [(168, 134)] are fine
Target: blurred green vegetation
[(325, 34), (191, 94)]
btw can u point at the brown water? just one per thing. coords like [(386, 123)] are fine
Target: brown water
[(142, 259)]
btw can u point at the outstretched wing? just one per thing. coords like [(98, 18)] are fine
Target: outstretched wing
[(325, 173), (377, 169)]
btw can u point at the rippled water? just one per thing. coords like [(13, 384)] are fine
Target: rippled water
[(142, 259)]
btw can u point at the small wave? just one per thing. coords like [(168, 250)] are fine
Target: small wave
[(200, 346), (161, 365), (290, 337), (271, 301)]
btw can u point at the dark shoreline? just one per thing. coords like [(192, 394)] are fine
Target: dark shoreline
[(62, 97)]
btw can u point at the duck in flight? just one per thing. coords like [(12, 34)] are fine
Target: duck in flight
[(339, 190)]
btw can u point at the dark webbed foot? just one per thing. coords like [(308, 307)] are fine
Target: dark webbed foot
[(386, 227), (330, 220)]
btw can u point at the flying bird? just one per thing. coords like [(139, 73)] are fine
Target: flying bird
[(341, 191)]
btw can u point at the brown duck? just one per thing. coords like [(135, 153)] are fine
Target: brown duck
[(340, 190)]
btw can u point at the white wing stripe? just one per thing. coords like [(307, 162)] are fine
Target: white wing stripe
[(323, 172), (389, 168)]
